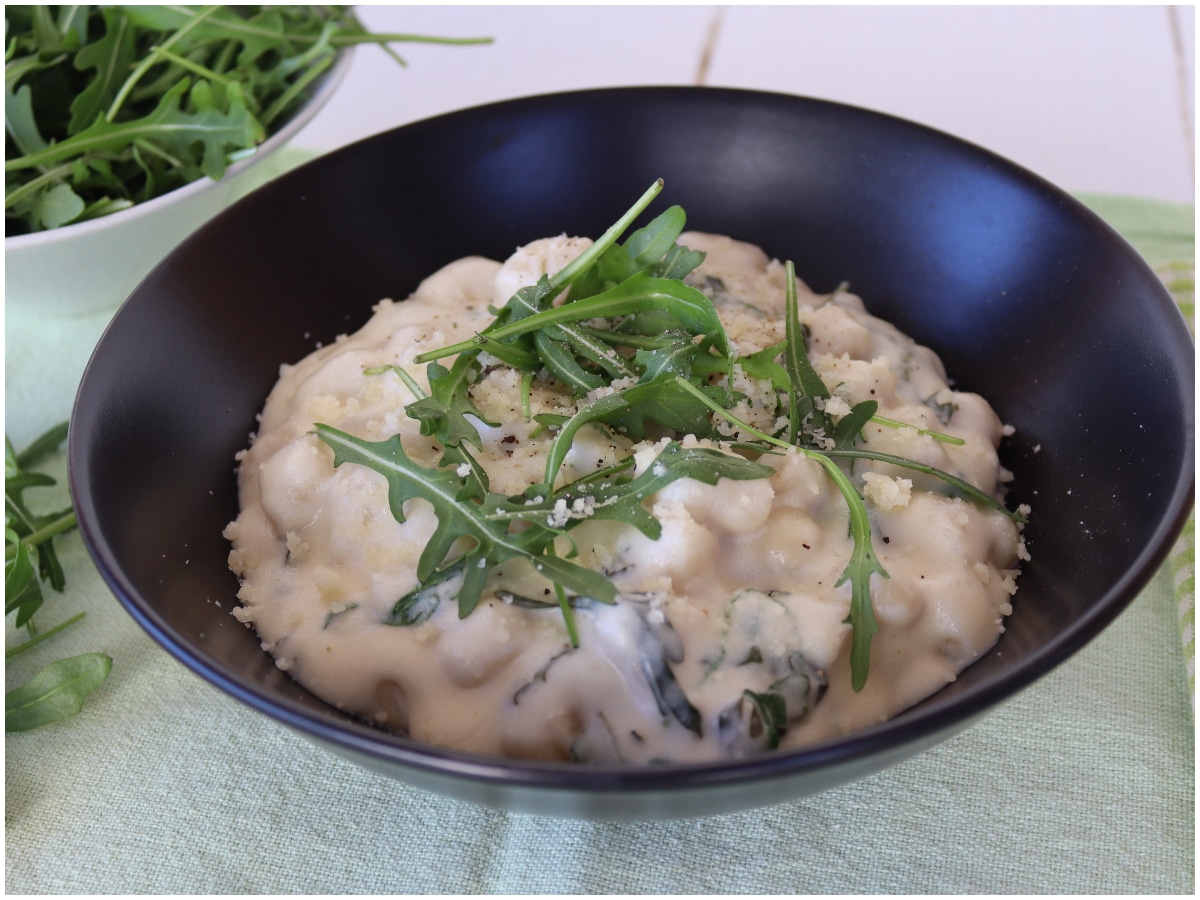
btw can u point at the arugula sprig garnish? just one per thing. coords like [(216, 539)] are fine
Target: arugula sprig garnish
[(636, 346), (863, 561), (529, 331), (490, 528)]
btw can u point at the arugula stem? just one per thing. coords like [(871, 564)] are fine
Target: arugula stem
[(153, 60), (193, 67), (10, 652), (225, 59), (240, 29), (346, 40), (17, 194), (527, 395), (400, 372), (149, 147), (568, 273), (803, 378), (732, 419), (568, 614), (281, 102), (954, 481), (626, 338), (65, 522), (936, 435)]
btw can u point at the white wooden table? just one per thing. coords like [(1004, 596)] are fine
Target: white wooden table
[(1095, 98)]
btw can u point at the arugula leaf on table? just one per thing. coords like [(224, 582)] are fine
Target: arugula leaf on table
[(22, 589), (55, 693), (58, 690), (29, 529)]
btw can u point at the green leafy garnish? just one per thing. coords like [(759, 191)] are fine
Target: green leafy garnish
[(768, 715), (640, 351), (31, 563), (489, 528), (56, 692), (108, 106)]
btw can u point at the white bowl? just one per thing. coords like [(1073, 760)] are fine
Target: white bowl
[(95, 265)]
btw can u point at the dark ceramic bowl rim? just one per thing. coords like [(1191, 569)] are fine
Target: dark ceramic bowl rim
[(917, 728)]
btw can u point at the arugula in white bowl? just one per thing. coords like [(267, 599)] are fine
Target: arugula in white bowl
[(109, 106)]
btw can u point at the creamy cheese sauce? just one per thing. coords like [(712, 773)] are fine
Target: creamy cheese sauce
[(740, 593)]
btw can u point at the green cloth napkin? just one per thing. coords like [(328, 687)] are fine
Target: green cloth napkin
[(1082, 783)]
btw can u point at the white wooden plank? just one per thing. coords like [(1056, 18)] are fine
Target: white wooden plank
[(537, 49), (1094, 98), (1086, 96)]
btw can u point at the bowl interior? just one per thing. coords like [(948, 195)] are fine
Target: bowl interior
[(1029, 299)]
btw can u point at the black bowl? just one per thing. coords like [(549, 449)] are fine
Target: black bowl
[(1029, 298)]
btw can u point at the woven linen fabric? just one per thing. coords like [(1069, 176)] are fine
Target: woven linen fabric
[(1082, 783)]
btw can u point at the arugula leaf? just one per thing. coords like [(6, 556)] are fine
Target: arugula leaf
[(655, 654), (443, 413), (22, 590), (24, 528), (561, 446), (652, 249), (492, 541), (661, 401), (762, 365), (422, 601), (489, 526), (56, 692), (171, 128), (846, 432), (623, 499), (87, 85), (767, 715), (684, 305), (19, 120), (703, 464), (112, 56), (863, 563), (58, 206), (803, 381)]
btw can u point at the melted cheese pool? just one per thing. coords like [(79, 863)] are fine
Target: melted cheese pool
[(739, 599)]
